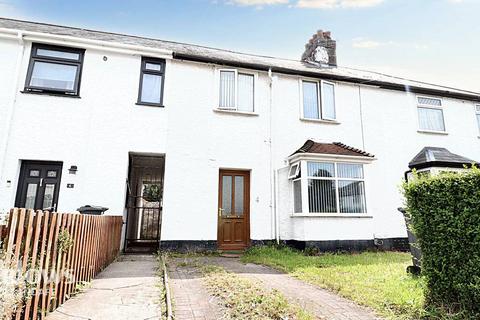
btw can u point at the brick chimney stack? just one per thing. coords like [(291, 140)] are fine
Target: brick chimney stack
[(321, 48)]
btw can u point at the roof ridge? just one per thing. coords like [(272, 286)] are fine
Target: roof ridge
[(341, 73), (148, 38)]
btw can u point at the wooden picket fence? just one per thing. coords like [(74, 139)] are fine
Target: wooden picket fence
[(57, 253)]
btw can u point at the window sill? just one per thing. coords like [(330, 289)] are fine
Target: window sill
[(320, 121), (235, 112), (51, 94), (150, 104), (332, 215), (432, 132)]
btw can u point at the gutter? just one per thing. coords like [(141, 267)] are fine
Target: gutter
[(11, 105), (86, 43), (282, 70)]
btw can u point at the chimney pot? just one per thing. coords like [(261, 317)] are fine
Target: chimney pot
[(327, 54)]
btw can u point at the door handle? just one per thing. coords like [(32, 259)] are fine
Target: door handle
[(220, 211)]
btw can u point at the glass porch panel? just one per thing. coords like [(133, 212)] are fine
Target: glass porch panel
[(31, 196), (227, 184), (239, 194), (48, 196)]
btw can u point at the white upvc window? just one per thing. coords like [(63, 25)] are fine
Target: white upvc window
[(236, 90), (324, 187), (477, 114), (318, 100), (430, 114)]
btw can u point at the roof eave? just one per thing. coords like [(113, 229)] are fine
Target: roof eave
[(282, 70), (327, 156)]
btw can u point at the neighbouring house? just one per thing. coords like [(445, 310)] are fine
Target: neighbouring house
[(206, 148)]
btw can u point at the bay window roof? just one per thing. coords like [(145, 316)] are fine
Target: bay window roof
[(335, 148), (439, 157)]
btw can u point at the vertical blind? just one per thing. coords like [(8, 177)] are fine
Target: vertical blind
[(227, 89), (236, 91), (245, 92), (310, 100), (328, 101), (322, 197)]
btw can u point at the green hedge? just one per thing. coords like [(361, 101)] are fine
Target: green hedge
[(445, 213)]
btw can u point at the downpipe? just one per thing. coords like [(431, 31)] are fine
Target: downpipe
[(11, 106)]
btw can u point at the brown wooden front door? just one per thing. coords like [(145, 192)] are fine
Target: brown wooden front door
[(234, 210)]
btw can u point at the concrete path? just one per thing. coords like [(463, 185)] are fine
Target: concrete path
[(322, 303), (191, 300), (126, 289)]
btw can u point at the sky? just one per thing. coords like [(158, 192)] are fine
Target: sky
[(436, 41)]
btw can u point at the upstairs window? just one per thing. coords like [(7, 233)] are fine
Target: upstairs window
[(318, 100), (54, 69), (152, 76), (477, 113), (236, 91), (430, 114)]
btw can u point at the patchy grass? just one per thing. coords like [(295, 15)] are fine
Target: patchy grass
[(12, 289), (245, 299), (374, 279)]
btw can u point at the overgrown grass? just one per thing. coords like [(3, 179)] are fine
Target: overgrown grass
[(12, 289), (245, 299), (374, 279)]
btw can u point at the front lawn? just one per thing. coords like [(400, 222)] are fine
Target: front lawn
[(374, 279)]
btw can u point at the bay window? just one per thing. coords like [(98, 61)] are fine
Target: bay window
[(329, 188)]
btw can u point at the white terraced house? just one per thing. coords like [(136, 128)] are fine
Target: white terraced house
[(203, 148)]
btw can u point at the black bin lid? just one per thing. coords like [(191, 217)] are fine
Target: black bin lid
[(92, 208)]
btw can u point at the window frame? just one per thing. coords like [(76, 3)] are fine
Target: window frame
[(304, 178), (35, 57), (320, 100), (144, 70), (434, 107), (235, 107), (295, 174)]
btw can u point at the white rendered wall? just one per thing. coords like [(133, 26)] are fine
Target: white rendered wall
[(97, 131), (94, 132)]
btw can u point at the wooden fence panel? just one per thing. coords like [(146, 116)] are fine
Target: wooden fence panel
[(55, 253)]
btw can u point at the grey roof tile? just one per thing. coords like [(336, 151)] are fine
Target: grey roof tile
[(228, 56)]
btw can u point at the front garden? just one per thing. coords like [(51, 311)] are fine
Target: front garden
[(374, 279)]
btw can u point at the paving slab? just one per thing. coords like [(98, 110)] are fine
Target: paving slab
[(126, 289), (320, 302), (191, 300)]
